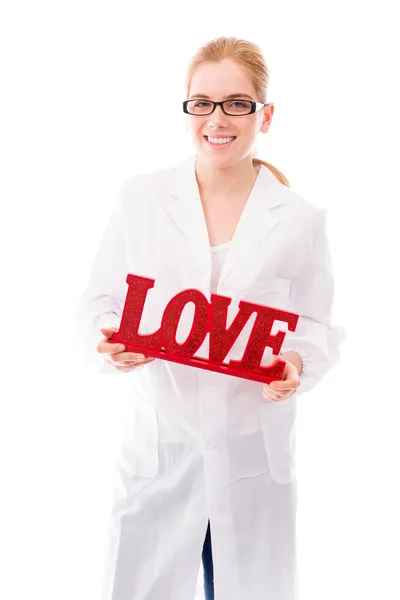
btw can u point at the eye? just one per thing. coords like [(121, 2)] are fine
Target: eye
[(204, 102), (242, 104)]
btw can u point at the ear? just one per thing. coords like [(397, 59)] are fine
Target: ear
[(267, 117)]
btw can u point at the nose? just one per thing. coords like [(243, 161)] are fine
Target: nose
[(218, 116)]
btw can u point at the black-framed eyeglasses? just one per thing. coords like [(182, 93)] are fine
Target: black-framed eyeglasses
[(235, 107)]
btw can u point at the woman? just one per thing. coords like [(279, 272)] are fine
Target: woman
[(204, 452)]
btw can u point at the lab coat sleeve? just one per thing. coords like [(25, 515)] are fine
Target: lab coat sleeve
[(316, 339), (102, 302)]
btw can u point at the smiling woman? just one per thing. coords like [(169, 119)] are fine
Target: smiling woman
[(207, 464), (218, 69)]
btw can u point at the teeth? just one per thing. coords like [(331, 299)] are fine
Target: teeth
[(220, 140)]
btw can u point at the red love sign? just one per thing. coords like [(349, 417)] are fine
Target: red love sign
[(210, 317)]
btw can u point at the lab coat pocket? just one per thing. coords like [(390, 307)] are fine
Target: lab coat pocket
[(140, 447), (278, 420)]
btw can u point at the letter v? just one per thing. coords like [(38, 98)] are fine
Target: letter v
[(221, 338)]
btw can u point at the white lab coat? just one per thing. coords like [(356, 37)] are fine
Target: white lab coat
[(201, 445)]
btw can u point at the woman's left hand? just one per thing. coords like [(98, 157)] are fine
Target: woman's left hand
[(279, 390)]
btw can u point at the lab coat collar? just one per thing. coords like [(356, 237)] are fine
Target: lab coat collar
[(257, 220)]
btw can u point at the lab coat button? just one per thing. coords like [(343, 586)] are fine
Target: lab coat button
[(208, 443)]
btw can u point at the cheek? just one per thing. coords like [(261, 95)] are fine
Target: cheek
[(249, 133), (194, 129)]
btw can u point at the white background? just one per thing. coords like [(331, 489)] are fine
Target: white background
[(91, 94)]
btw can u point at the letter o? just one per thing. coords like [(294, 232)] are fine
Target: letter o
[(170, 321)]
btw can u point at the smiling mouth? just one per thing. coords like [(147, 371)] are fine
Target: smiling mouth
[(221, 137)]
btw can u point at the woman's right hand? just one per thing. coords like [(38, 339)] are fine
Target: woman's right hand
[(114, 353)]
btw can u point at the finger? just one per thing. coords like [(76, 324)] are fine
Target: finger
[(276, 395), (128, 357), (270, 397), (109, 348), (130, 367), (274, 391), (288, 384), (275, 398), (123, 363), (108, 330), (115, 359), (283, 394), (129, 363), (269, 394)]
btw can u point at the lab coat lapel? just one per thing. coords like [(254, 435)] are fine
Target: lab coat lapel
[(257, 219), (183, 205)]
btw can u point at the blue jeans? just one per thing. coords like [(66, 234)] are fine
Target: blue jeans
[(208, 566)]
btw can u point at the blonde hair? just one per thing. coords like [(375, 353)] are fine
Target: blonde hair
[(251, 60)]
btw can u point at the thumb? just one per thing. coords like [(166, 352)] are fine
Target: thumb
[(108, 331), (277, 359)]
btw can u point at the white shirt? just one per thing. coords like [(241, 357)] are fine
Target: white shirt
[(218, 254)]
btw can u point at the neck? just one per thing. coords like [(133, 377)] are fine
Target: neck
[(224, 181)]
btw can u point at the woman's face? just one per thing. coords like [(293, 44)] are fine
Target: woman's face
[(217, 81)]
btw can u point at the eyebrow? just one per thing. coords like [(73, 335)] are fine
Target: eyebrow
[(238, 95)]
